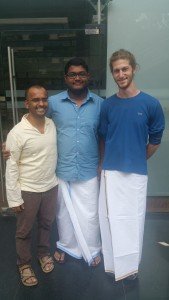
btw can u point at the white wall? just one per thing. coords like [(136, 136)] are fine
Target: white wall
[(142, 27)]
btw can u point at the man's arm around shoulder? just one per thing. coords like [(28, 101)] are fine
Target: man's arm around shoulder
[(13, 190)]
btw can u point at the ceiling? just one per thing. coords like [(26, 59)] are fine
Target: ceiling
[(78, 12), (41, 46)]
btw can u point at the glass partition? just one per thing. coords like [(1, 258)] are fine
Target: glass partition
[(38, 57)]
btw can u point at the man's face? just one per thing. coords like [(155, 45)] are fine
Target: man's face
[(123, 73), (36, 102), (77, 78)]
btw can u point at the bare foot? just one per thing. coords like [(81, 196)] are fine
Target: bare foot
[(96, 261), (59, 256)]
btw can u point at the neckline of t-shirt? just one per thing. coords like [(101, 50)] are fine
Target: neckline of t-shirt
[(129, 98)]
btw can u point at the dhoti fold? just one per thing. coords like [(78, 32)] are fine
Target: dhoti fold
[(122, 206), (78, 220)]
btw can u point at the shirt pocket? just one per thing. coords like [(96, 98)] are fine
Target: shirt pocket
[(89, 125)]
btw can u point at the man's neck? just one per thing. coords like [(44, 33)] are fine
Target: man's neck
[(129, 92), (38, 122)]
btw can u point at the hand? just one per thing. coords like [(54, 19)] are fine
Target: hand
[(6, 153), (18, 209)]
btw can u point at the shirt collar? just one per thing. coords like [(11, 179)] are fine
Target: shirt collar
[(24, 119), (88, 98)]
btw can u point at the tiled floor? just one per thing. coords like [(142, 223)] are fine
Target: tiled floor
[(76, 281)]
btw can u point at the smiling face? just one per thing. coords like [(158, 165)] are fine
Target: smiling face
[(77, 79), (123, 73), (36, 102)]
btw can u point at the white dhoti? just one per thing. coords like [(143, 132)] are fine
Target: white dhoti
[(122, 206), (77, 219)]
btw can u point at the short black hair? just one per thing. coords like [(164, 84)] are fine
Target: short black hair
[(76, 61), (36, 86)]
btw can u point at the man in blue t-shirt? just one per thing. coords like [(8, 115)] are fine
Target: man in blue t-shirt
[(131, 128)]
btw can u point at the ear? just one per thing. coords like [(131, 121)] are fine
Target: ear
[(88, 75), (135, 69), (27, 104)]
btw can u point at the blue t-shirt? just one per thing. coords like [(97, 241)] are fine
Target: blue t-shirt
[(127, 125), (77, 135)]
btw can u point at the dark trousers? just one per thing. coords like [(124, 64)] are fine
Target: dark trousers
[(40, 206)]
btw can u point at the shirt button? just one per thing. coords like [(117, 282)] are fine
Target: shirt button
[(78, 129), (78, 117), (77, 141)]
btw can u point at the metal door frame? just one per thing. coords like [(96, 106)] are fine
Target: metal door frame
[(15, 118), (2, 165), (12, 79)]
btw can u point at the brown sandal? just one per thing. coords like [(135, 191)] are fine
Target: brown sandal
[(27, 273), (46, 263)]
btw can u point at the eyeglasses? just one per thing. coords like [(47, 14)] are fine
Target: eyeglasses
[(73, 75)]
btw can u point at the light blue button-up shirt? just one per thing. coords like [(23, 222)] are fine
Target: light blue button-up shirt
[(77, 136)]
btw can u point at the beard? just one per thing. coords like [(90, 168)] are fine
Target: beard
[(78, 91), (124, 84)]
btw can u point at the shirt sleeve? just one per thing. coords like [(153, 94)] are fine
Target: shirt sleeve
[(156, 125), (103, 125), (13, 190)]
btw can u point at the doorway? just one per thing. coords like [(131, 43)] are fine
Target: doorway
[(38, 57)]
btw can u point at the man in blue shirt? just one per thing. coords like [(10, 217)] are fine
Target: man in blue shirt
[(76, 113), (131, 127)]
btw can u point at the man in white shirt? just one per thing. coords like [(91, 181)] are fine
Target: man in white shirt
[(31, 183)]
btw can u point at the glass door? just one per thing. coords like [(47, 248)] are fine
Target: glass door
[(8, 118), (38, 57)]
